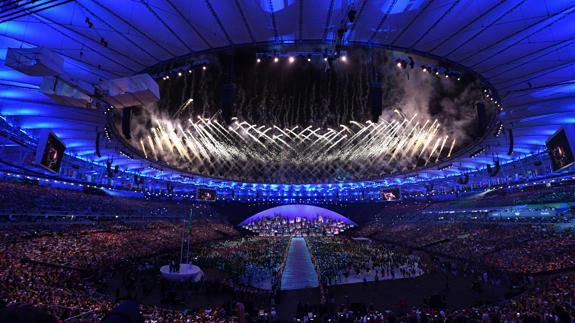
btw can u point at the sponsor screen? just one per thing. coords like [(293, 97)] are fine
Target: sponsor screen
[(205, 194), (50, 152), (560, 150), (391, 194)]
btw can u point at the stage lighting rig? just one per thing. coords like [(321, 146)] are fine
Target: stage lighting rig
[(401, 63), (187, 67), (126, 154), (88, 22), (444, 167), (351, 14), (499, 129), (477, 152), (341, 33), (291, 57)]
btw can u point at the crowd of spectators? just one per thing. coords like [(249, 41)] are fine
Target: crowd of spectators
[(20, 199), (253, 261), (54, 271), (551, 300), (49, 268), (48, 264), (549, 251), (182, 301), (414, 234), (476, 241), (535, 194), (518, 248), (342, 261)]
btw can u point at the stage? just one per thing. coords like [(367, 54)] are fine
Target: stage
[(188, 272)]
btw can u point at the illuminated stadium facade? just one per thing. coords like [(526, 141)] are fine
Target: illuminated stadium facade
[(525, 84)]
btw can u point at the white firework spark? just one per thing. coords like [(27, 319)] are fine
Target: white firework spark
[(243, 150)]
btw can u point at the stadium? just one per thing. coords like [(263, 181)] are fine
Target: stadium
[(287, 161)]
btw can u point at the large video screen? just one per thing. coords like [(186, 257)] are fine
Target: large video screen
[(50, 152), (391, 194), (205, 194), (560, 150)]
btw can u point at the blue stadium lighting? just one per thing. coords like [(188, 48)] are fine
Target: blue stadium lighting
[(20, 114)]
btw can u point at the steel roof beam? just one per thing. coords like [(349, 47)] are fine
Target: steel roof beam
[(412, 21), (382, 21), (147, 5), (121, 34), (562, 44), (245, 21), (436, 22), (327, 21), (537, 73), (138, 30), (518, 33), (219, 22), (505, 14), (97, 42), (467, 25), (189, 23), (86, 46), (359, 13)]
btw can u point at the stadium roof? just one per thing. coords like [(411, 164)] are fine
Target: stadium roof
[(524, 48)]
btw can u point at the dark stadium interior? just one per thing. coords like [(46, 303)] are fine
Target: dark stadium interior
[(287, 161)]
